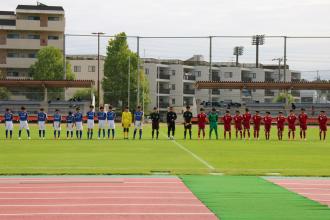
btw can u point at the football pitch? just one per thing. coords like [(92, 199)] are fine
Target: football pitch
[(147, 156)]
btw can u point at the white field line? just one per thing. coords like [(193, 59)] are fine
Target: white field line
[(109, 213), (99, 197), (209, 166), (121, 204)]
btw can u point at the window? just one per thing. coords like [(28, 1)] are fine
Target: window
[(173, 101), (228, 75), (12, 55), (198, 73), (13, 36), (34, 18), (33, 36), (253, 75), (77, 69), (173, 72), (13, 73), (53, 18), (173, 86), (146, 70), (91, 68), (53, 37), (32, 55)]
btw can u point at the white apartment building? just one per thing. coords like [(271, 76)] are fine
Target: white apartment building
[(172, 82), (24, 32), (84, 67)]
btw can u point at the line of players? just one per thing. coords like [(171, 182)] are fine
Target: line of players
[(242, 123), (107, 120)]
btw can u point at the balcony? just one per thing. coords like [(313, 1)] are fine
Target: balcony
[(34, 25), (189, 91), (189, 77), (30, 44), (215, 78), (164, 91), (269, 93), (164, 76), (18, 62), (246, 79), (295, 93), (215, 92), (163, 105)]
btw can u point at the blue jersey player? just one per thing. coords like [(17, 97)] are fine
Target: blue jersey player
[(111, 116), (57, 124), (101, 117), (42, 118), (90, 122), (69, 125), (8, 117), (138, 122), (23, 122), (78, 120)]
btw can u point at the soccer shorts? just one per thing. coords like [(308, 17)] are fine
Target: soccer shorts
[(101, 124), (9, 125), (267, 128), (246, 125), (90, 123), (227, 127), (57, 125), (323, 128), (23, 125), (155, 125), (303, 127), (69, 126), (187, 126), (292, 127), (213, 125), (280, 128), (111, 124), (138, 124), (126, 125), (42, 125), (201, 126), (238, 127), (79, 126)]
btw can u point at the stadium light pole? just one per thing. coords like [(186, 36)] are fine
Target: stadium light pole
[(238, 51), (258, 40), (129, 82), (98, 64)]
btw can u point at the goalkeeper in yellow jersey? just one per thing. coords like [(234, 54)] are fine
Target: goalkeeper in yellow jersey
[(126, 121)]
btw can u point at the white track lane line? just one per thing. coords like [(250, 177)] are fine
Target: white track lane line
[(103, 204), (109, 213), (100, 197), (88, 192), (209, 166)]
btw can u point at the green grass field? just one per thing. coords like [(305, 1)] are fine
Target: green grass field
[(235, 157)]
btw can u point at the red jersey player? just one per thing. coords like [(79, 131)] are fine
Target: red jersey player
[(323, 121), (256, 125), (280, 125), (246, 123), (238, 123), (201, 123), (268, 124), (292, 124), (303, 123), (227, 124)]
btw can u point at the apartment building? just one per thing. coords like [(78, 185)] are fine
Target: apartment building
[(172, 81), (84, 67), (24, 32)]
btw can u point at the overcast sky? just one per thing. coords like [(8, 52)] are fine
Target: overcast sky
[(204, 18)]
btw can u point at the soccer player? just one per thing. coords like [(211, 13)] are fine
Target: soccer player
[(323, 121), (201, 123), (187, 116), (171, 117), (69, 125), (78, 120), (9, 123), (111, 115), (57, 124), (155, 118), (126, 121), (138, 122), (280, 125), (246, 123), (292, 124), (23, 122), (256, 125), (102, 117), (302, 117), (90, 122), (42, 118), (268, 124), (213, 120), (227, 124), (238, 118)]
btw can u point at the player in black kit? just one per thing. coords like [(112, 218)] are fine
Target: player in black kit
[(187, 116), (171, 117), (155, 118)]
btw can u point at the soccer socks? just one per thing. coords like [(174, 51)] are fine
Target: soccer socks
[(6, 133), (140, 134), (80, 134), (134, 134), (190, 134), (55, 134), (99, 133), (185, 134), (67, 134), (40, 133), (113, 133), (28, 133)]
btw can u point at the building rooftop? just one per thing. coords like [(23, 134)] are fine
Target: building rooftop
[(7, 22), (40, 7), (7, 13), (84, 57)]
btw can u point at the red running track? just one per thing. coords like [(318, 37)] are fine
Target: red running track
[(72, 198), (317, 189)]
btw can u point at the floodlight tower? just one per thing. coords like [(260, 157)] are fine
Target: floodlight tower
[(238, 51), (258, 40)]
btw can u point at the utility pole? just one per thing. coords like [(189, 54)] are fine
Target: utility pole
[(138, 69), (129, 82), (210, 70), (279, 67), (98, 65)]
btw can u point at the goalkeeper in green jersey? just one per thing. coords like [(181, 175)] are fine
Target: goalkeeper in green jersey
[(213, 120)]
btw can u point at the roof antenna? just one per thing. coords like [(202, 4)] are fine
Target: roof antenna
[(40, 4)]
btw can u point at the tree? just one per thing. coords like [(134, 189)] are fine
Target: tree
[(4, 93), (49, 66), (282, 97), (115, 82), (84, 94)]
